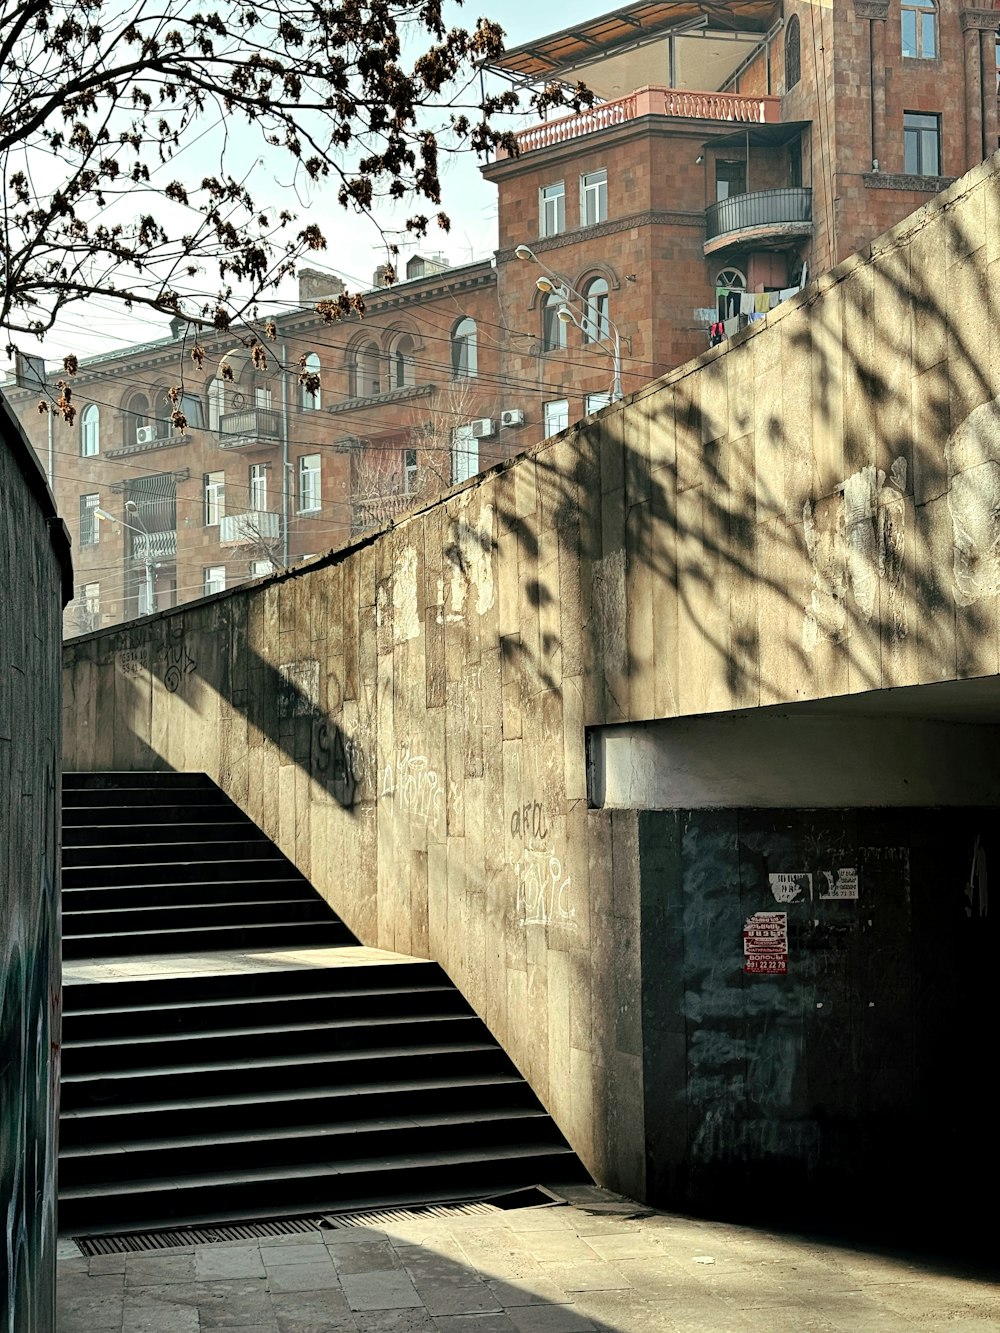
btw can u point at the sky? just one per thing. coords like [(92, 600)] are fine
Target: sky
[(354, 247)]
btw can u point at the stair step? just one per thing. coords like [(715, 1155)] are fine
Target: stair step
[(284, 1107), (221, 1078), (194, 894), (270, 980), (182, 1157), (120, 837), (170, 872), (253, 1044), (304, 934), (129, 782), (243, 848), (197, 916), (268, 1011)]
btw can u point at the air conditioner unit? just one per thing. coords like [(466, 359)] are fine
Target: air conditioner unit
[(483, 428), (145, 434), (513, 418)]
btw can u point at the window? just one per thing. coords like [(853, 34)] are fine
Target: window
[(215, 579), (730, 179), (136, 419), (920, 32), (90, 431), (262, 397), (556, 416), (464, 454), (259, 569), (367, 368), (89, 534), (310, 401), (552, 209), (192, 407), (410, 471), (464, 350), (216, 402), (309, 499), (215, 498), (595, 401), (553, 328), (593, 197), (258, 487), (401, 362), (596, 321), (88, 615), (921, 143), (793, 55)]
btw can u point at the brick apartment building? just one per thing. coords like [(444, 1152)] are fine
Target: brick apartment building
[(736, 149)]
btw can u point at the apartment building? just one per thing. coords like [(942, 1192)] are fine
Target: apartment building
[(735, 150)]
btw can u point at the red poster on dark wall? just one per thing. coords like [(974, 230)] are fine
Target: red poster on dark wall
[(765, 943)]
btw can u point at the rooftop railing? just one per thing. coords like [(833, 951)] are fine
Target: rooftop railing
[(652, 101)]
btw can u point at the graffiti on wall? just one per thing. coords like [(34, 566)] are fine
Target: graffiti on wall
[(414, 786), (171, 664), (543, 886)]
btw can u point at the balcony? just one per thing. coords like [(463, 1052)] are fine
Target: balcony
[(378, 511), (250, 428), (764, 215), (252, 528), (652, 101)]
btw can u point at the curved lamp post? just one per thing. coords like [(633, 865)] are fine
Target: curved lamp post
[(553, 282)]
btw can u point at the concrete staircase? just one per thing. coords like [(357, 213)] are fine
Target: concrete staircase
[(238, 1080)]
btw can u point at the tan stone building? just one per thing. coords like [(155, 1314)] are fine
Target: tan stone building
[(735, 151)]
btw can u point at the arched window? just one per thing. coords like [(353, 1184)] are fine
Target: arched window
[(919, 23), (90, 431), (310, 400), (793, 53), (464, 350), (596, 325), (553, 328), (730, 283), (136, 420), (216, 402), (367, 371), (401, 362)]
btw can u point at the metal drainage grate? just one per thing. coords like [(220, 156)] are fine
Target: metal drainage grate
[(169, 1240), (534, 1196)]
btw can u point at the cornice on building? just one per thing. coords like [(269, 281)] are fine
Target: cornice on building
[(649, 218)]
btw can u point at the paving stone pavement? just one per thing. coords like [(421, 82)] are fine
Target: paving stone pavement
[(600, 1262)]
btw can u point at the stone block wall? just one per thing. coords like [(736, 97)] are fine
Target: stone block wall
[(36, 579), (805, 513)]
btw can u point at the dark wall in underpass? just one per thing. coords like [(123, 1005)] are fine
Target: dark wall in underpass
[(818, 1011)]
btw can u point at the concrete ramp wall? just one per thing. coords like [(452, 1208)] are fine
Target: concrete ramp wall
[(811, 512)]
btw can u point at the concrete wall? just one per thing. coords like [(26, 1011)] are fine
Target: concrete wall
[(807, 513), (34, 566)]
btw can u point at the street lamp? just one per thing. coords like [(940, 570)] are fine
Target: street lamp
[(143, 532), (553, 283)]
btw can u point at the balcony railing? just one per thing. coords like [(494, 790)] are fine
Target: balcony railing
[(762, 208), (249, 425), (377, 510), (154, 546), (652, 101), (256, 525)]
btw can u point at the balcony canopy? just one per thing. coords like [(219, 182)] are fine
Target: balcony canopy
[(688, 44)]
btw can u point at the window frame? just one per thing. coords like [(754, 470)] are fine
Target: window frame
[(411, 471), (90, 431), (90, 528), (555, 421), (464, 454), (596, 323), (311, 402), (793, 53), (257, 488), (924, 16), (555, 335), (214, 498), (594, 187), (465, 349), (309, 466), (207, 572), (552, 200), (916, 136)]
